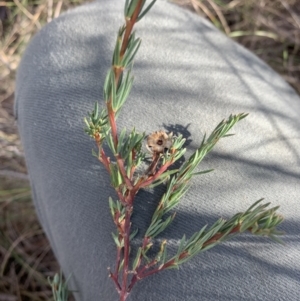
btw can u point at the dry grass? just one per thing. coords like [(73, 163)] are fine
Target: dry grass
[(26, 257), (269, 28)]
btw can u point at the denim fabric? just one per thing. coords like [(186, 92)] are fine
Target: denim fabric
[(188, 77)]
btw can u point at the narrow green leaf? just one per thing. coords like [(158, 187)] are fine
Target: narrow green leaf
[(124, 92), (120, 82), (143, 4), (277, 239), (114, 100), (152, 228), (175, 266), (116, 239), (131, 8), (129, 164), (87, 123), (131, 58), (96, 110), (179, 154), (161, 251), (133, 234), (181, 246), (159, 226), (164, 225), (119, 177), (131, 40), (114, 175), (210, 246), (195, 238), (137, 258), (111, 207), (253, 205), (145, 11), (119, 206), (178, 142), (131, 52), (122, 85), (121, 265), (120, 140), (107, 85), (116, 54), (201, 172), (110, 143), (163, 177), (145, 256), (212, 231), (164, 255), (126, 7), (178, 193)]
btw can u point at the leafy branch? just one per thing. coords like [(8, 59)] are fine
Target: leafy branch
[(59, 287), (165, 150)]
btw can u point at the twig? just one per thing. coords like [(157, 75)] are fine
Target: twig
[(128, 155)]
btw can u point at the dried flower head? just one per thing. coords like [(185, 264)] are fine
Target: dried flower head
[(159, 141)]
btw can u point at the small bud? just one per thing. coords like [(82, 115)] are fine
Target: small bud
[(159, 142)]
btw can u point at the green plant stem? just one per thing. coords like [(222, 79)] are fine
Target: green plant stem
[(112, 122), (129, 26), (145, 271), (141, 274), (118, 70)]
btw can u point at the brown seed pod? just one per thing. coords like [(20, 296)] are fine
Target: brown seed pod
[(159, 141)]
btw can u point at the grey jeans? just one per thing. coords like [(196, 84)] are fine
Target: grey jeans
[(188, 76)]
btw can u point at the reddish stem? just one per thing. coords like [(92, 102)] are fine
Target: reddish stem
[(104, 160), (120, 163), (118, 287), (135, 278), (151, 179), (116, 274), (218, 236), (112, 122), (126, 237), (127, 200), (121, 196), (133, 154), (141, 274), (129, 25), (153, 165)]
